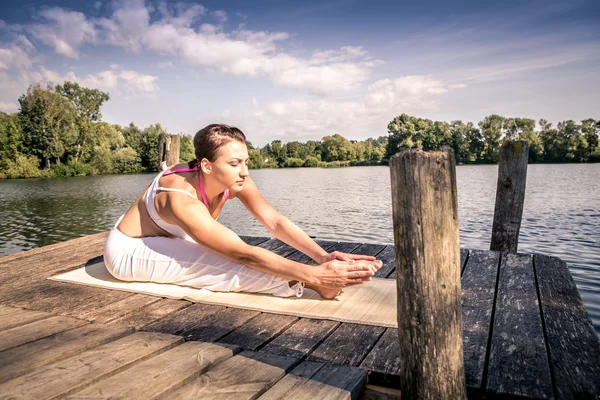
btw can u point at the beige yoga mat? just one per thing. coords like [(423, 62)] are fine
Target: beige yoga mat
[(372, 303)]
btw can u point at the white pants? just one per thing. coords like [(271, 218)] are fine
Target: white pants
[(163, 260)]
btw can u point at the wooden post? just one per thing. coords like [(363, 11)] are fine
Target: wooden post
[(168, 149), (425, 216), (510, 196)]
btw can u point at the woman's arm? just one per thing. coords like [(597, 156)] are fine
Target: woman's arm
[(195, 220), (279, 226)]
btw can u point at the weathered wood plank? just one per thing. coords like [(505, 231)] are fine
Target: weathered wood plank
[(244, 376), (464, 255), (260, 330), (573, 346), (159, 375), (75, 373), (21, 317), (384, 360), (331, 382), (277, 246), (219, 325), (296, 378), (150, 313), (36, 330), (21, 360), (69, 244), (518, 363), (301, 338), (119, 308), (64, 298), (19, 272), (6, 310), (388, 257), (254, 240), (348, 345), (478, 294), (187, 319)]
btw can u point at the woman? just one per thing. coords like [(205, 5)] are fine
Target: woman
[(171, 233)]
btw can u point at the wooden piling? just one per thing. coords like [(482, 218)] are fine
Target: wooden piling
[(510, 196), (425, 216), (168, 149)]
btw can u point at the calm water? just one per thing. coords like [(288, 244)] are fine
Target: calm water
[(561, 215)]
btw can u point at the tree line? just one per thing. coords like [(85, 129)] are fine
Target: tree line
[(58, 131)]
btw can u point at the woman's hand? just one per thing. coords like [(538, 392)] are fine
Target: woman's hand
[(351, 258), (338, 274)]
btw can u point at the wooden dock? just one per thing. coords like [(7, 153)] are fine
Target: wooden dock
[(526, 334)]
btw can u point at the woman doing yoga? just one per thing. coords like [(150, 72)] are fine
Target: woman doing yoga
[(171, 233)]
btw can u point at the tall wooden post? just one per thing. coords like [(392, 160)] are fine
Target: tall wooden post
[(168, 149), (510, 196), (425, 215)]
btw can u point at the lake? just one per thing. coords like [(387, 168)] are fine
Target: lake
[(561, 216)]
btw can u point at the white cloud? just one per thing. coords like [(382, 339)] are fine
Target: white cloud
[(98, 5), (14, 57), (365, 117), (167, 64), (64, 30), (8, 107), (220, 15), (239, 53)]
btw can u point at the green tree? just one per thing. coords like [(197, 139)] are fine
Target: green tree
[(491, 130), (87, 103), (47, 123), (186, 148), (10, 136)]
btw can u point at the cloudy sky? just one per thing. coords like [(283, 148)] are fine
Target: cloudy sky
[(300, 70)]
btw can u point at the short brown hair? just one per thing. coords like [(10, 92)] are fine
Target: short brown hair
[(208, 140)]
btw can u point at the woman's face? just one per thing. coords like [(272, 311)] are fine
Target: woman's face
[(231, 166)]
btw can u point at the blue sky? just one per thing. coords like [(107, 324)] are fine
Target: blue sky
[(301, 70)]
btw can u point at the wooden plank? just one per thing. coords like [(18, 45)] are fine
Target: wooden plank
[(301, 338), (177, 323), (36, 330), (348, 345), (244, 376), (388, 257), (20, 272), (215, 327), (6, 310), (297, 377), (159, 375), (254, 240), (75, 373), (150, 313), (573, 345), (369, 249), (331, 382), (64, 298), (464, 255), (383, 361), (277, 246), (478, 292), (518, 362), (119, 308), (21, 360), (69, 244), (22, 317), (260, 330)]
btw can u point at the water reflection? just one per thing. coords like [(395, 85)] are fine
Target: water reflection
[(561, 215)]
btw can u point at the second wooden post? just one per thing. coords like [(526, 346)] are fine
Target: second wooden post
[(425, 216)]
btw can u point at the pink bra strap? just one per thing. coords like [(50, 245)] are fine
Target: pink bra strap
[(226, 194)]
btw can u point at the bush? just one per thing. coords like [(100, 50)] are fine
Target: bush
[(126, 161), (294, 162), (311, 162), (22, 167), (72, 168)]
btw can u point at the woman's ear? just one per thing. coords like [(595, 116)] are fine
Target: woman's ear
[(206, 166)]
